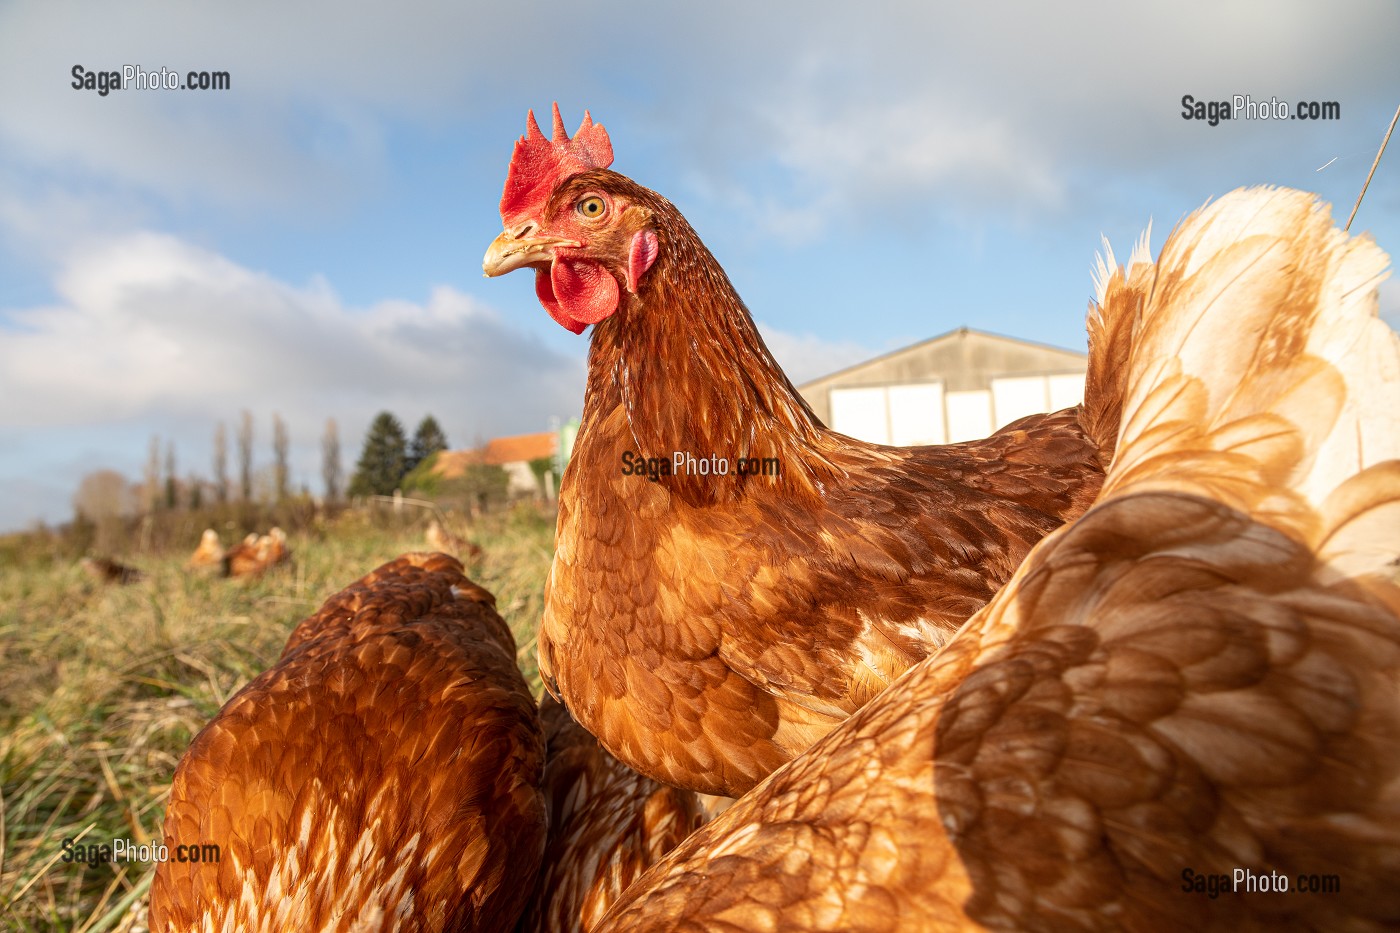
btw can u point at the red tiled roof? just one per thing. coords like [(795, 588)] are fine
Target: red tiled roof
[(521, 447), (497, 452)]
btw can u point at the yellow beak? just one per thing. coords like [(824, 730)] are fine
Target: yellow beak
[(516, 248)]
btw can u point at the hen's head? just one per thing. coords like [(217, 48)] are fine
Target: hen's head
[(582, 228)]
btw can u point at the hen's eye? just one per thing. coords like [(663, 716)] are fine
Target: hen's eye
[(592, 207)]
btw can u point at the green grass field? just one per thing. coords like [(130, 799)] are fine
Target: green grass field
[(102, 687)]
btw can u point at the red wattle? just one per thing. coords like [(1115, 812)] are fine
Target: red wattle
[(576, 292)]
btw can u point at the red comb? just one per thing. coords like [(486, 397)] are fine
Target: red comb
[(538, 164)]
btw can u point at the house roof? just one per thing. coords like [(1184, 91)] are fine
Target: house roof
[(519, 448), (960, 334)]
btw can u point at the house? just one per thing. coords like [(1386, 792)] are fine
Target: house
[(959, 386), (514, 455)]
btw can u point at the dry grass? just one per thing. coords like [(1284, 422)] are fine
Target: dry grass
[(102, 688)]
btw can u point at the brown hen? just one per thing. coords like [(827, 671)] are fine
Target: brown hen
[(257, 554), (708, 628), (607, 825), (106, 570), (383, 775), (1198, 679)]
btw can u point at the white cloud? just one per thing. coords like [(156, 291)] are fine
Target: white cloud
[(859, 111), (149, 321), (849, 123), (169, 338), (916, 113), (805, 357)]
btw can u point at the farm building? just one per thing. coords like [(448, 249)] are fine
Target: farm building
[(959, 386), (513, 454)]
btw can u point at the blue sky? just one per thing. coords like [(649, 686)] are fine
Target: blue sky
[(309, 242)]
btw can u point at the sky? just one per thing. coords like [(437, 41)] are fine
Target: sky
[(308, 242)]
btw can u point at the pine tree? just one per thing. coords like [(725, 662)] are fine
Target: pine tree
[(383, 459), (427, 440)]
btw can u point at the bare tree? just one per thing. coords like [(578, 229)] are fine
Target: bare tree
[(220, 463), (102, 494), (101, 505), (281, 471), (151, 492), (245, 455), (330, 460)]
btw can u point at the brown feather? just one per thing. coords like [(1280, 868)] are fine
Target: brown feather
[(707, 629), (607, 825), (1199, 676), (384, 774)]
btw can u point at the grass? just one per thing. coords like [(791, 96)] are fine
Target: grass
[(103, 687)]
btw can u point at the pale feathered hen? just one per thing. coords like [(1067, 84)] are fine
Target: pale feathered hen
[(1199, 677), (707, 627), (440, 539), (209, 555), (383, 775), (607, 825)]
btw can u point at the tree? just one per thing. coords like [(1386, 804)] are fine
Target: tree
[(545, 480), (485, 486), (172, 486), (151, 492), (220, 463), (281, 470), (102, 494), (427, 440), (382, 461), (330, 460), (423, 480), (245, 455), (103, 501)]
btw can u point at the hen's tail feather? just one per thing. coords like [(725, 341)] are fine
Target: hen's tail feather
[(1253, 369), (1111, 326)]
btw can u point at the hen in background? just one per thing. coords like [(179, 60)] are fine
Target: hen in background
[(257, 554), (209, 555), (709, 628), (384, 774), (106, 570), (1197, 679), (440, 539)]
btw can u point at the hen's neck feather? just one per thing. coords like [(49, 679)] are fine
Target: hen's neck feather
[(686, 364)]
